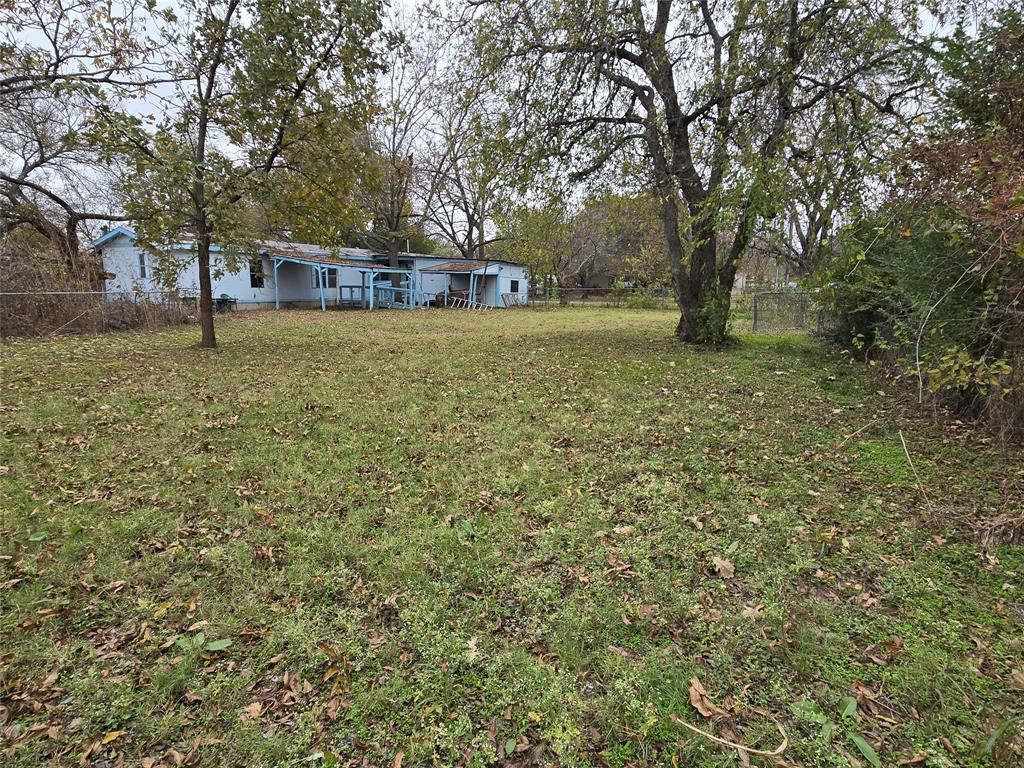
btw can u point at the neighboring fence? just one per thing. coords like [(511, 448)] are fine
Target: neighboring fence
[(41, 313), (607, 297), (788, 311)]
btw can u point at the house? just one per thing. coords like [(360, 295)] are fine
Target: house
[(289, 274)]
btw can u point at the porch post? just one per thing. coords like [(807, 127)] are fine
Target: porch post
[(277, 292), (371, 290), (320, 282)]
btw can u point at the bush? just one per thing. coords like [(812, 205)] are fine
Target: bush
[(933, 282), (922, 297)]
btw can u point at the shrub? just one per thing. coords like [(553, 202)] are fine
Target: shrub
[(932, 282)]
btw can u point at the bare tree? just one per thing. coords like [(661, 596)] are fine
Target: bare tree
[(467, 161), (394, 140), (64, 65), (53, 179)]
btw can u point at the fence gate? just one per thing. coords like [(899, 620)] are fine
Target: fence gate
[(780, 311)]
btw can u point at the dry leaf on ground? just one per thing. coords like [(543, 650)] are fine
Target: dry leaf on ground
[(723, 567), (700, 701)]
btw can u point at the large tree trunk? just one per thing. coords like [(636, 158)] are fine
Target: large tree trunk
[(703, 298), (703, 309), (396, 279), (209, 340)]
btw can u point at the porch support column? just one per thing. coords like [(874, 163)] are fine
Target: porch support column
[(371, 290), (321, 274), (277, 292)]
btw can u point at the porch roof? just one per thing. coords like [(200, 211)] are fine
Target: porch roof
[(465, 266), (324, 259)]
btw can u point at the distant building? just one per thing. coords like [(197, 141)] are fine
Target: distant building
[(284, 274)]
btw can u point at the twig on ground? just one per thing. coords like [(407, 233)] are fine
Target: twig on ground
[(741, 747), (852, 435), (910, 461)]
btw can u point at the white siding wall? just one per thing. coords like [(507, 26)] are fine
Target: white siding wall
[(430, 284), (121, 257), (510, 272)]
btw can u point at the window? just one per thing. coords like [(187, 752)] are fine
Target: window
[(142, 264), (330, 282), (513, 286), (256, 277)]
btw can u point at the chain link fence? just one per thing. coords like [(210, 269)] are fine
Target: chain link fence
[(779, 311), (633, 298)]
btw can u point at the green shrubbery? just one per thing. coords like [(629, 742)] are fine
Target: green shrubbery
[(933, 281)]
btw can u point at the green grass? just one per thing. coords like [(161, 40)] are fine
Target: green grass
[(482, 539)]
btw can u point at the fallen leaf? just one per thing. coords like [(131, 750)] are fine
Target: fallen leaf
[(112, 736), (920, 757), (700, 701), (723, 567), (254, 710), (752, 611), (397, 762), (736, 739), (1017, 679), (333, 705)]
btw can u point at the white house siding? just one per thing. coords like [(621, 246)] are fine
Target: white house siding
[(121, 258), (430, 284), (510, 272)]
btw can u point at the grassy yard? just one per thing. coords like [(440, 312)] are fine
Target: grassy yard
[(441, 538)]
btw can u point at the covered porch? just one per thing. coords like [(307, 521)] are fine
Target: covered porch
[(342, 282), (468, 283)]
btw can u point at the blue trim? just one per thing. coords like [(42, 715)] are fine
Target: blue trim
[(116, 232)]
